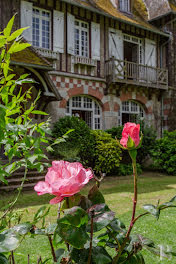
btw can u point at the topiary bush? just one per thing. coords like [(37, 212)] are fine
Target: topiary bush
[(107, 154), (80, 143), (164, 153)]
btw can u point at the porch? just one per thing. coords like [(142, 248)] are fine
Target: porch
[(123, 71)]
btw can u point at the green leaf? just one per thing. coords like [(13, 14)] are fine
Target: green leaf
[(102, 217), (9, 241), (173, 199), (3, 259), (37, 112), (60, 253), (75, 216), (130, 143), (73, 201), (51, 229), (76, 237), (95, 196), (80, 256), (8, 28), (117, 225), (23, 229), (101, 256), (133, 154), (16, 47), (152, 209), (16, 34)]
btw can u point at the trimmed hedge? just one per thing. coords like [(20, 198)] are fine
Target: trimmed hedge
[(80, 143), (107, 154)]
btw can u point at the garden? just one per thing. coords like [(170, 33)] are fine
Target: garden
[(89, 209)]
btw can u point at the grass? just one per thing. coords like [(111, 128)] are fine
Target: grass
[(118, 192)]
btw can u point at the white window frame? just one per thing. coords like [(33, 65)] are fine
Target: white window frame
[(40, 26), (140, 44), (125, 6), (92, 106), (81, 29), (128, 108)]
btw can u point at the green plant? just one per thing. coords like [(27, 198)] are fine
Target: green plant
[(107, 154), (164, 153), (127, 169), (79, 145)]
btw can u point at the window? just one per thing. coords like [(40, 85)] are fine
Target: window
[(85, 108), (41, 23), (81, 38), (124, 5), (130, 112)]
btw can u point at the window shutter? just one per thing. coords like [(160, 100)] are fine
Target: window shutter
[(150, 52), (70, 34), (116, 44), (95, 40), (58, 28), (26, 20), (116, 50)]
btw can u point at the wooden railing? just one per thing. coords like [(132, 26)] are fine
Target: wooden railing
[(84, 61), (134, 73)]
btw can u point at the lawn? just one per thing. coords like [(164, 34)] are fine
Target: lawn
[(118, 192)]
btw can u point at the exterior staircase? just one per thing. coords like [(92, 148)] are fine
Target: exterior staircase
[(14, 181)]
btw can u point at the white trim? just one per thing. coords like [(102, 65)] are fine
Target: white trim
[(81, 47), (130, 107), (40, 26), (92, 106)]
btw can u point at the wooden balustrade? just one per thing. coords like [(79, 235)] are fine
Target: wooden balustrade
[(134, 73)]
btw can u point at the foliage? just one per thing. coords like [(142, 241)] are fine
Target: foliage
[(164, 153), (127, 169), (107, 154), (80, 144)]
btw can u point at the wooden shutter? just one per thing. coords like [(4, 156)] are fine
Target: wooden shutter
[(150, 52), (95, 40), (26, 19), (116, 51), (115, 44), (58, 28), (70, 34)]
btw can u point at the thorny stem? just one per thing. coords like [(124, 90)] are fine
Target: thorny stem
[(91, 238), (52, 248), (116, 258)]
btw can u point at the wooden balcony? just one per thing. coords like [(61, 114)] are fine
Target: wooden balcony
[(120, 71)]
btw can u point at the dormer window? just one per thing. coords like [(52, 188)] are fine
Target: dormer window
[(124, 6)]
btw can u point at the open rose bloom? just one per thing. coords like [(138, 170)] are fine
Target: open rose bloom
[(130, 130), (63, 179)]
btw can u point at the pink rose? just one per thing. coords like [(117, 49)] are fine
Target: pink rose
[(63, 179), (130, 130)]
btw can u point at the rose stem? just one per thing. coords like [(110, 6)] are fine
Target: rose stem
[(52, 248), (133, 214), (91, 238), (13, 259)]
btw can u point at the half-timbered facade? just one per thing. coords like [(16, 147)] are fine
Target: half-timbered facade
[(109, 63)]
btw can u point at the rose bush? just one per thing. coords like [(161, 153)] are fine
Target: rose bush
[(63, 179)]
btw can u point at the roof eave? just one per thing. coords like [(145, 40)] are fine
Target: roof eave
[(118, 19), (35, 66)]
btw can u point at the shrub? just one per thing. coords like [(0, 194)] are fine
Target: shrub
[(80, 143), (164, 153), (127, 169), (107, 154), (116, 132)]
